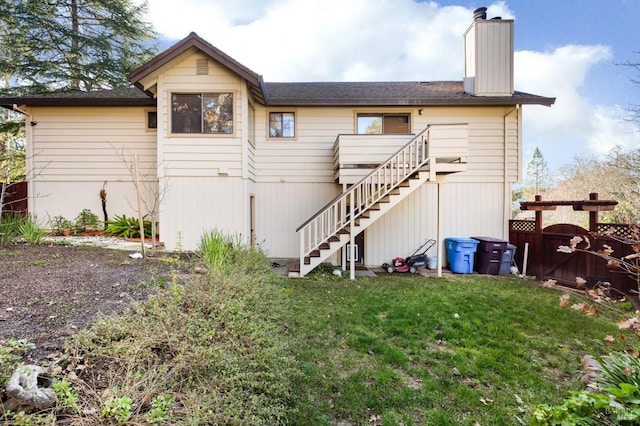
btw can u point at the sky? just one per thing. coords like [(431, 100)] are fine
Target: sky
[(567, 49)]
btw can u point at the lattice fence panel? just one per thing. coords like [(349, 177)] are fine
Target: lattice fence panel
[(523, 225), (615, 230)]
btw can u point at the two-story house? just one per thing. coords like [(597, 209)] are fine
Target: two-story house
[(302, 169)]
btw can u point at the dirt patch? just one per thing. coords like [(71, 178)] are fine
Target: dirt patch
[(49, 292)]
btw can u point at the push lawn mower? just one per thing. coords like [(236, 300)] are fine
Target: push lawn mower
[(411, 263)]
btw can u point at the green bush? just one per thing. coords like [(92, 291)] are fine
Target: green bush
[(59, 223), (616, 403), (128, 227), (86, 218)]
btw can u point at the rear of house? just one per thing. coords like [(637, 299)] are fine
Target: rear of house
[(303, 170)]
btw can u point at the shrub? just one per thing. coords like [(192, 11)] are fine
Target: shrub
[(616, 403), (86, 218), (128, 227), (58, 224)]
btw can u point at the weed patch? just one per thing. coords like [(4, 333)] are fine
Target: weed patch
[(208, 351)]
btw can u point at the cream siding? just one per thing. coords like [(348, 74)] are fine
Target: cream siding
[(309, 156), (282, 207), (193, 205), (74, 151)]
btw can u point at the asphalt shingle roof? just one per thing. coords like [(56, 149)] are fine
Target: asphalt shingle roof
[(387, 94)]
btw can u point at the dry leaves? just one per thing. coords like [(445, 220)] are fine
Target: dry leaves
[(632, 323), (581, 282), (606, 250), (564, 300)]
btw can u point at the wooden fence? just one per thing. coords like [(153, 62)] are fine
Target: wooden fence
[(16, 198), (546, 262)]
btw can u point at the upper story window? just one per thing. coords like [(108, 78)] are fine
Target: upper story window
[(208, 113), (379, 124), (282, 125)]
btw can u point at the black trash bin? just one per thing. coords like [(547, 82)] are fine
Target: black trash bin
[(507, 259), (489, 255)]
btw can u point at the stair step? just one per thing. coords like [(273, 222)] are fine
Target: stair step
[(343, 231), (315, 253), (334, 239), (324, 246), (294, 267), (307, 260)]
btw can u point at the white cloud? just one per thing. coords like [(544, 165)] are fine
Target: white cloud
[(574, 126)]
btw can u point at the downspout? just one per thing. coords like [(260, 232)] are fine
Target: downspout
[(506, 184)]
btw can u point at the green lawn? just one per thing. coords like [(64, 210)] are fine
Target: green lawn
[(463, 350)]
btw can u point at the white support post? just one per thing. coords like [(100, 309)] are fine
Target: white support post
[(352, 223), (439, 251)]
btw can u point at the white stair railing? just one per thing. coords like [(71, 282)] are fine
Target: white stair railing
[(360, 197)]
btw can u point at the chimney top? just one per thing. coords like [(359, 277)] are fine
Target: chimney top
[(480, 13)]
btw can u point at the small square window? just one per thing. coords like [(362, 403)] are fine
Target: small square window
[(152, 120), (282, 125)]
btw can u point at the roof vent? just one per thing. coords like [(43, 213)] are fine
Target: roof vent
[(202, 67), (480, 13)]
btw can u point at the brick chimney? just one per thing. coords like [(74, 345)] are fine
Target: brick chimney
[(488, 56)]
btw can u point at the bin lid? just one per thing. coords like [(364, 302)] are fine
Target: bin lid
[(461, 240), (490, 239)]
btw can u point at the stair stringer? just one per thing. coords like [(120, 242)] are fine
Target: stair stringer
[(364, 222)]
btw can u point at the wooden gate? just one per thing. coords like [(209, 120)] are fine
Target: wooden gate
[(546, 262)]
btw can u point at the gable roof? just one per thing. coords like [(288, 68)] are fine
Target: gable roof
[(194, 41)]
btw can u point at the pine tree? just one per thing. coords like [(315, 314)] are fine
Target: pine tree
[(62, 45), (538, 172)]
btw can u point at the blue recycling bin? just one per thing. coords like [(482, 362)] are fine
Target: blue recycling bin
[(460, 254)]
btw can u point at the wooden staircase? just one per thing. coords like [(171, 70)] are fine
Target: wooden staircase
[(363, 203)]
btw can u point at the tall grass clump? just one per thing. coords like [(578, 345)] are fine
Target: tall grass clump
[(10, 228), (15, 227), (217, 248), (30, 230), (228, 253), (214, 346)]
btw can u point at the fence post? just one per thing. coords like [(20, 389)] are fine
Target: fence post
[(538, 242)]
